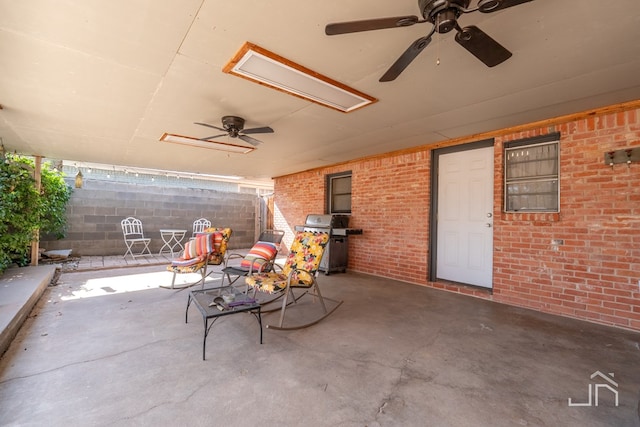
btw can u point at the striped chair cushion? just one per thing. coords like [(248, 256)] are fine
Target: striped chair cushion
[(258, 255), (217, 258), (181, 262), (192, 265), (203, 244)]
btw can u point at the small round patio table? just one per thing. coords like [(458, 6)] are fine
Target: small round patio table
[(172, 239)]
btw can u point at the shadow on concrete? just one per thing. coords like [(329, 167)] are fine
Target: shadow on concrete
[(109, 347)]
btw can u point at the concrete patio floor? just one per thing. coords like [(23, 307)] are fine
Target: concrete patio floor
[(108, 347)]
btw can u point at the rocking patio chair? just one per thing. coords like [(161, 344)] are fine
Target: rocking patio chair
[(207, 248), (260, 257), (299, 271), (218, 257)]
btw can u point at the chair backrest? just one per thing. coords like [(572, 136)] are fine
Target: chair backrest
[(132, 228), (203, 245), (199, 225), (260, 256), (305, 254), (273, 236), (217, 257)]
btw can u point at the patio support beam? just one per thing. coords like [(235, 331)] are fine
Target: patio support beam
[(35, 243)]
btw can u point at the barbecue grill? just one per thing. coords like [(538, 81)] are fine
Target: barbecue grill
[(336, 254)]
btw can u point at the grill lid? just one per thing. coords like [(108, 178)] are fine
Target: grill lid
[(327, 221), (318, 220)]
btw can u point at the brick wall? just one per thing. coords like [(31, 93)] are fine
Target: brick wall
[(593, 276), (95, 211)]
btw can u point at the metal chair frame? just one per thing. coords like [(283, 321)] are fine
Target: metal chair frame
[(198, 267), (199, 225), (311, 289), (201, 267), (272, 236), (133, 234)]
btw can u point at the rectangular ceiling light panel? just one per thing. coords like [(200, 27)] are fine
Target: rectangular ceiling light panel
[(257, 64), (213, 145)]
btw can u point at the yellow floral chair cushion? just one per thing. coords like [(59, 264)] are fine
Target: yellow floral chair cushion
[(301, 265)]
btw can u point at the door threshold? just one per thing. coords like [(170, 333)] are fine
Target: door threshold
[(462, 285)]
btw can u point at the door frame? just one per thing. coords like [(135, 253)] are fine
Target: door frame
[(433, 206)]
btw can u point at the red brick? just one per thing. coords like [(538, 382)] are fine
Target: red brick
[(596, 267)]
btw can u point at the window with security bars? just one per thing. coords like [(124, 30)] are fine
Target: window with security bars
[(339, 193), (532, 174)]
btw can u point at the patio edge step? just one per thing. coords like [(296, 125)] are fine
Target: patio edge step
[(20, 290)]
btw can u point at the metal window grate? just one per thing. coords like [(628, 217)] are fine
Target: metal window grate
[(532, 177)]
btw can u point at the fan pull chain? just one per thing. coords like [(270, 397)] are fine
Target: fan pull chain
[(437, 40)]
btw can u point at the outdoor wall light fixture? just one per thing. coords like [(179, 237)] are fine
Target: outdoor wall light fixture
[(269, 69), (79, 179), (213, 145)]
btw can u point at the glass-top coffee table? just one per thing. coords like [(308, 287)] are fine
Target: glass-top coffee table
[(212, 306)]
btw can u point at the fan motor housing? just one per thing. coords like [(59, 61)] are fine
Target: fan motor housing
[(233, 124), (442, 13)]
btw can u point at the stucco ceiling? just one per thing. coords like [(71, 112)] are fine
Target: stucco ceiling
[(101, 81)]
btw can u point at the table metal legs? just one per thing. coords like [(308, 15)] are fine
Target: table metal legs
[(207, 325), (172, 241)]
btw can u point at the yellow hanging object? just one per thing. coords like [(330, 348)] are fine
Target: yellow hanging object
[(79, 180)]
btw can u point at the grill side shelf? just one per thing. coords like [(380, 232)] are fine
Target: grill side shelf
[(346, 231)]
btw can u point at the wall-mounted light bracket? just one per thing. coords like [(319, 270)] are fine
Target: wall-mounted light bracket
[(625, 155)]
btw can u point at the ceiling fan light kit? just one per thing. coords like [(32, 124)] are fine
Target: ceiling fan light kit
[(269, 69), (443, 15)]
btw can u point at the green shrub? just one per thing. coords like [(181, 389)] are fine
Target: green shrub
[(23, 210)]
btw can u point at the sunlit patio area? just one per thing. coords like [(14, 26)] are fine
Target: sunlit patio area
[(107, 346)]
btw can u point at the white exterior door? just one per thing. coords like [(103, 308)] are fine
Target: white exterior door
[(465, 217)]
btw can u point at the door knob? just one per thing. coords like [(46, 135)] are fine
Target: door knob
[(489, 215)]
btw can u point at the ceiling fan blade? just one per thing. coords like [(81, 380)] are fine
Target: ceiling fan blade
[(265, 129), (487, 6), (252, 141), (370, 24), (214, 136), (406, 58), (209, 126), (483, 47)]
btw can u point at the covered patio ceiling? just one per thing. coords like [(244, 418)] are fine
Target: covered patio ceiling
[(101, 82)]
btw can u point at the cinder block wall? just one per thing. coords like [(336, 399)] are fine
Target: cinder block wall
[(95, 211), (594, 276)]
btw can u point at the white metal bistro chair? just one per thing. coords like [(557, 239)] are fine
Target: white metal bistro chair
[(199, 225), (134, 237)]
